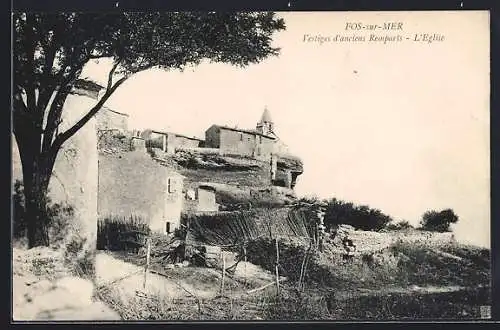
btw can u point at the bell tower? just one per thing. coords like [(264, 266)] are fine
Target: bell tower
[(265, 125)]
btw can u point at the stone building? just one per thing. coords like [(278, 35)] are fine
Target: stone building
[(131, 184), (258, 143)]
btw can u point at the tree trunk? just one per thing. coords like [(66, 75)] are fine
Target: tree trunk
[(36, 218), (36, 176)]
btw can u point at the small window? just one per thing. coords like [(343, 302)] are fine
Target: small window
[(241, 136), (167, 227), (260, 139), (170, 185)]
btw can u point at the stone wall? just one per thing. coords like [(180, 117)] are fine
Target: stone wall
[(206, 200), (370, 241), (169, 142), (183, 141), (74, 178)]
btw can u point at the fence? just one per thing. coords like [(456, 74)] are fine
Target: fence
[(213, 243)]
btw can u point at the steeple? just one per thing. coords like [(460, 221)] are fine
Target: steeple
[(265, 125), (266, 116)]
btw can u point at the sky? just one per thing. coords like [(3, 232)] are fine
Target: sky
[(401, 126)]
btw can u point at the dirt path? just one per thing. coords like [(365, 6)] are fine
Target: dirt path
[(177, 283), (129, 279)]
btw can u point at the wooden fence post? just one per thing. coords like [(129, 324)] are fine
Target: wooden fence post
[(276, 268), (245, 264), (223, 272), (148, 255)]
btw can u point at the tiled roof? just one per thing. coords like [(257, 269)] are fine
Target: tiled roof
[(254, 132), (176, 134)]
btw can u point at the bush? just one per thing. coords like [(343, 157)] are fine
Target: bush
[(359, 216), (121, 234), (402, 225), (57, 217), (438, 221)]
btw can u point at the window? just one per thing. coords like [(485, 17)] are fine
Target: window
[(170, 185), (241, 136), (167, 227), (260, 139)]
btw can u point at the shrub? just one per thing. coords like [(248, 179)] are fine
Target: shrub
[(438, 221), (402, 225), (359, 216), (117, 233), (57, 217)]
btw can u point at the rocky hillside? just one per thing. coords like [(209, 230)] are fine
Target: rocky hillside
[(237, 180)]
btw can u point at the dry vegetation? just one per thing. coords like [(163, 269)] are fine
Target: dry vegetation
[(416, 282)]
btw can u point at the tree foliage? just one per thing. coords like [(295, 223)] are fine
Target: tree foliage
[(51, 50), (359, 216), (439, 221), (338, 212)]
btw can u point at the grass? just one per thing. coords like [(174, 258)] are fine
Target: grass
[(425, 265), (462, 304), (378, 286), (155, 307), (121, 233)]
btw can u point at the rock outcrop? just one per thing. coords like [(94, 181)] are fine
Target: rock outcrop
[(43, 290)]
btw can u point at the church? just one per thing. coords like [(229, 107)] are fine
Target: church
[(259, 143)]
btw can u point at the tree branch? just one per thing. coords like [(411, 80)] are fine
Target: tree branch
[(56, 107), (63, 137), (47, 84), (111, 73)]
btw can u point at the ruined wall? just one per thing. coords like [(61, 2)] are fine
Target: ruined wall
[(169, 142), (131, 183), (182, 141), (110, 119), (370, 241)]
